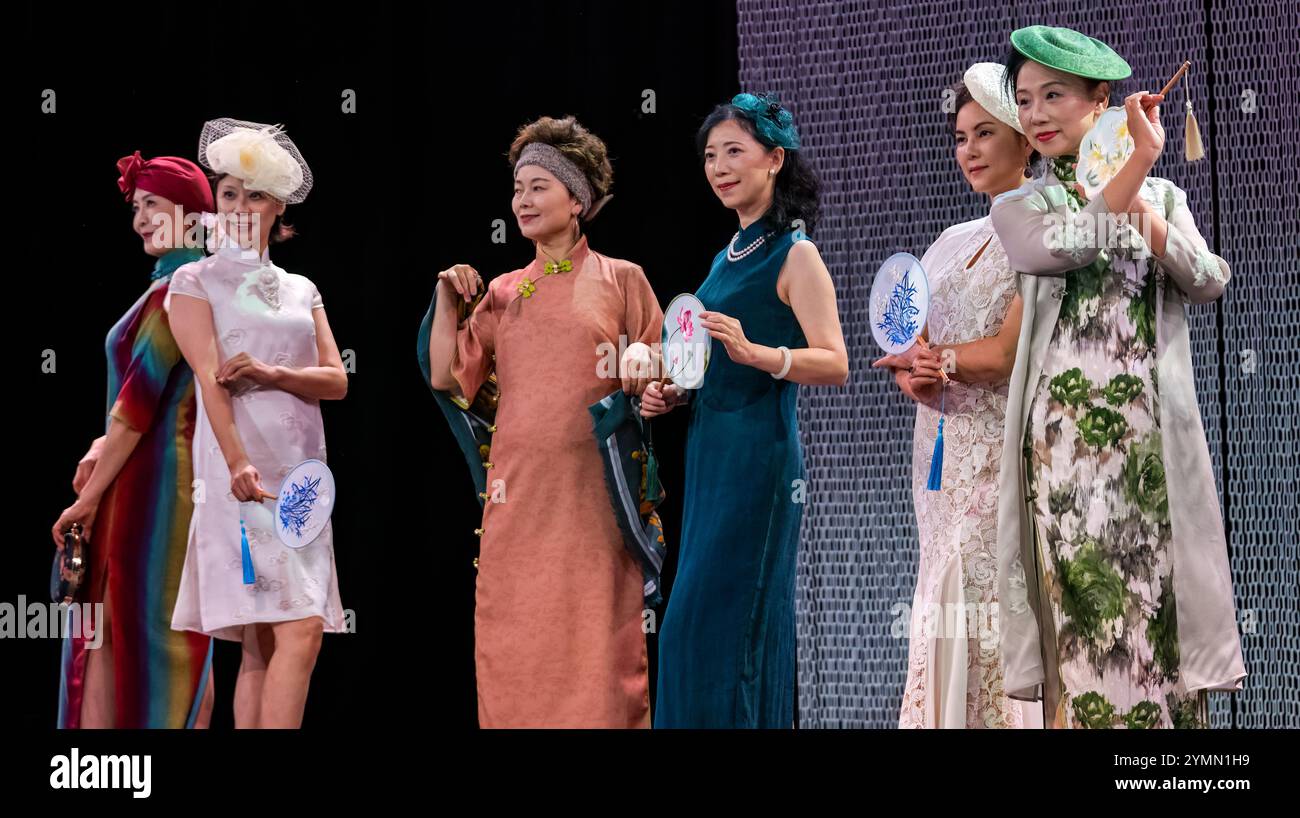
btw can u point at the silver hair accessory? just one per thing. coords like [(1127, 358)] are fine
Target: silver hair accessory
[(570, 175)]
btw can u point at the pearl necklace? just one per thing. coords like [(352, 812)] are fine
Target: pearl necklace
[(733, 255)]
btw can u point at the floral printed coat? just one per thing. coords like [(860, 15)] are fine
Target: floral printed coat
[(1029, 224)]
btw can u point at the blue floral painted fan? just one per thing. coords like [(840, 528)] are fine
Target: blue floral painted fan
[(304, 504), (302, 508), (900, 303), (899, 307)]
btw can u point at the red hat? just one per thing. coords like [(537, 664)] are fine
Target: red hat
[(171, 177)]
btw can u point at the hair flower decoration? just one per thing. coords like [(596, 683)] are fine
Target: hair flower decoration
[(129, 167), (262, 156), (774, 123)]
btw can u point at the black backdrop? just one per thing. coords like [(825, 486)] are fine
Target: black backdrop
[(406, 186)]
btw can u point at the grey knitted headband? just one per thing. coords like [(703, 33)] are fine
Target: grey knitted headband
[(549, 157)]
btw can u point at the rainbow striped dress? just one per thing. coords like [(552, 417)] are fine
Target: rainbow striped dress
[(140, 534)]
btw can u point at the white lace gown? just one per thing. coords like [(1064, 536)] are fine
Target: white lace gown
[(260, 309), (954, 676)]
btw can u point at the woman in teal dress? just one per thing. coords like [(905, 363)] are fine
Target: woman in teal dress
[(727, 645)]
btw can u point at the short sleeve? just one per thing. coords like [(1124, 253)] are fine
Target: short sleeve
[(185, 281), (154, 356), (949, 242), (316, 302), (930, 258), (476, 345)]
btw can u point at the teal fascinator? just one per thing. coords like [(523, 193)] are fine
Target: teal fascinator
[(774, 123)]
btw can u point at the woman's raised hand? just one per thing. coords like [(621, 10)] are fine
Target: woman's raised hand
[(462, 278)]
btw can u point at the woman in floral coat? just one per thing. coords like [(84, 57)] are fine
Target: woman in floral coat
[(1116, 594)]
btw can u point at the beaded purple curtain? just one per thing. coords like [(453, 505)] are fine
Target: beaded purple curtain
[(866, 82)]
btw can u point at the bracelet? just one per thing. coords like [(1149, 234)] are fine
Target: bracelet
[(785, 369)]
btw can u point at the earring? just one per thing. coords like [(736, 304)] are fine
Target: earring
[(1029, 168), (771, 171)]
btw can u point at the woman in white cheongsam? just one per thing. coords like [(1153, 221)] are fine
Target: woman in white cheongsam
[(954, 676), (263, 357)]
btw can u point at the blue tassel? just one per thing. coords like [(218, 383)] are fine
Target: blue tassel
[(936, 459), (246, 556)]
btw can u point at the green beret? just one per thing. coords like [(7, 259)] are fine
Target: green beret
[(1069, 51)]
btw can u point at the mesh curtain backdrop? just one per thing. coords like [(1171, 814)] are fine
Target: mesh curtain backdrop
[(866, 82)]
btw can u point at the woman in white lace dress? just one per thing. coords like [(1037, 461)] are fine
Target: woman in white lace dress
[(263, 358), (954, 676)]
